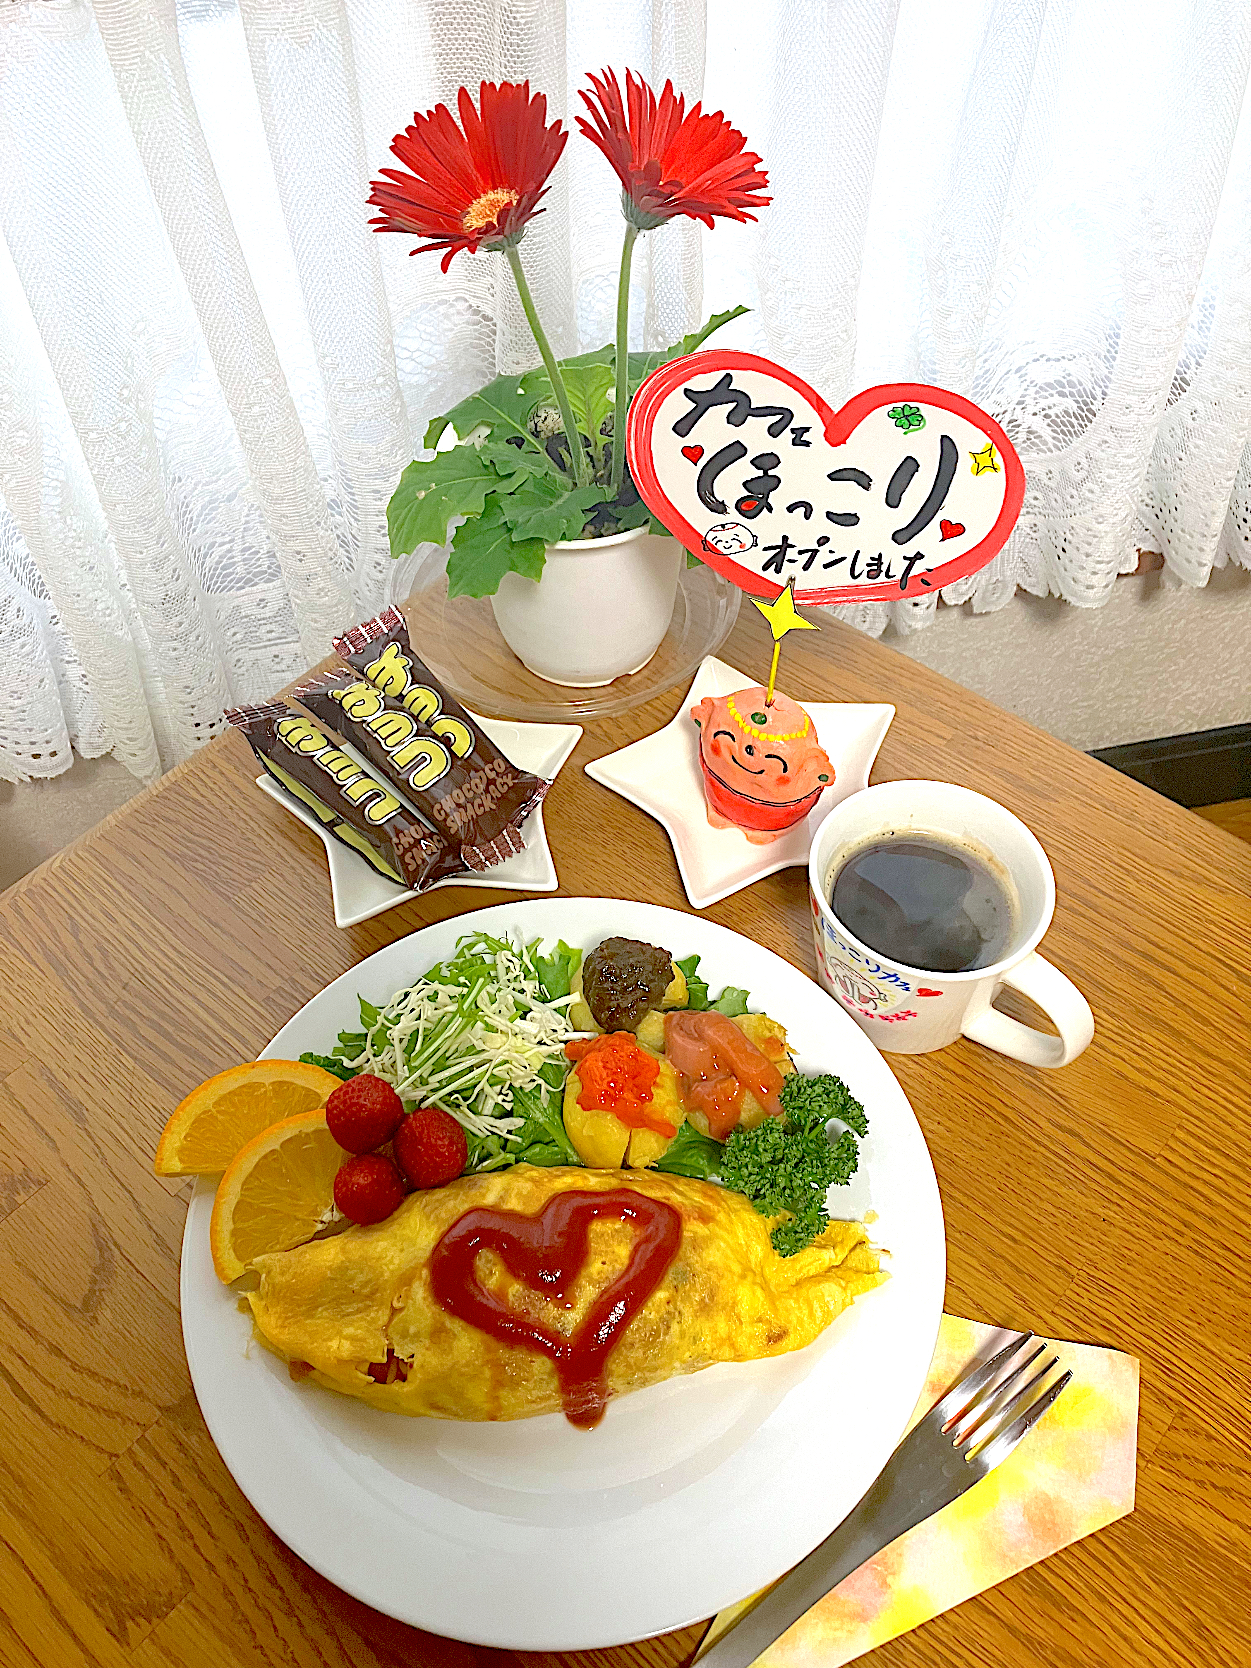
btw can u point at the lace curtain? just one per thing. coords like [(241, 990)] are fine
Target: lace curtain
[(212, 372)]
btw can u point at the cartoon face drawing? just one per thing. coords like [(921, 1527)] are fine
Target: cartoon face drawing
[(768, 751), (729, 538), (853, 986)]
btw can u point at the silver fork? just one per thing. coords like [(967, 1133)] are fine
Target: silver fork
[(968, 1433)]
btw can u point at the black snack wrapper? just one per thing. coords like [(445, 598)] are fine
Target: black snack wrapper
[(350, 801), (446, 767)]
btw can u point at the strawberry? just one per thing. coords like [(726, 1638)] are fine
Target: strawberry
[(368, 1188), (363, 1113), (430, 1147)]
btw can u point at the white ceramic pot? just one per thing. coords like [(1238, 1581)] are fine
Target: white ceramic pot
[(599, 611)]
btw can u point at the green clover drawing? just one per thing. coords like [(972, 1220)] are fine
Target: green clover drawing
[(907, 417)]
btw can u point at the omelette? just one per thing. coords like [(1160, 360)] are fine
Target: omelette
[(537, 1290)]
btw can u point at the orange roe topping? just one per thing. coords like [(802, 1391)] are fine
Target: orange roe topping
[(616, 1075)]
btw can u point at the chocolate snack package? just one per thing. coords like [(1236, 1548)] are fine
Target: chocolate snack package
[(472, 795), (350, 801), (382, 653)]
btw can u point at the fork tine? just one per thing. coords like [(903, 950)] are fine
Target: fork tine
[(1000, 1445), (984, 1405), (960, 1397)]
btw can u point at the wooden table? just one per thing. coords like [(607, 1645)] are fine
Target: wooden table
[(1106, 1202)]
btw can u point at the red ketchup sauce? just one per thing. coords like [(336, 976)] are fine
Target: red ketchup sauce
[(715, 1063), (547, 1252)]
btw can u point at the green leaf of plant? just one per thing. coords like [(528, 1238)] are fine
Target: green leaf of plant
[(430, 494), (501, 405), (634, 515), (514, 465), (544, 509), (484, 550), (643, 364), (590, 390), (504, 404)]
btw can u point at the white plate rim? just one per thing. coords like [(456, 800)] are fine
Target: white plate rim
[(269, 1495)]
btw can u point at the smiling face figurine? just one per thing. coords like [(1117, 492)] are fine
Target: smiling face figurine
[(764, 768)]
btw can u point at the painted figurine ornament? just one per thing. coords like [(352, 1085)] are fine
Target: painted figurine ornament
[(762, 764), (763, 767)]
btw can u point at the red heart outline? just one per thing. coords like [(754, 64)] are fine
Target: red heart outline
[(546, 1252), (839, 425)]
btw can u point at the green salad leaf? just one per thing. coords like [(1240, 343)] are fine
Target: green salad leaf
[(691, 1154), (696, 988), (557, 970), (541, 1138), (327, 1062), (732, 1000)]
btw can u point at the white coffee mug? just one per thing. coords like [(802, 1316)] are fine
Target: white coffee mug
[(906, 1010)]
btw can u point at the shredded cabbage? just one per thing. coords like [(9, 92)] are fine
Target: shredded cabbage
[(481, 1035)]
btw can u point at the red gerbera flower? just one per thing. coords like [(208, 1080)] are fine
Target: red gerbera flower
[(479, 186), (671, 160)]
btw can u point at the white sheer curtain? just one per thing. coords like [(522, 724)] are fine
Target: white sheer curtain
[(212, 372)]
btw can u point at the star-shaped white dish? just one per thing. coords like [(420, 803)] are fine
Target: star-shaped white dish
[(661, 775), (360, 892)]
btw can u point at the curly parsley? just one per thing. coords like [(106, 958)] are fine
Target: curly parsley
[(787, 1165)]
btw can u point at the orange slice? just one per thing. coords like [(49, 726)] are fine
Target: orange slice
[(275, 1193), (214, 1121)]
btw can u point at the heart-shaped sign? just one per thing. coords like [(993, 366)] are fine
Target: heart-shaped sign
[(751, 470), (546, 1252)]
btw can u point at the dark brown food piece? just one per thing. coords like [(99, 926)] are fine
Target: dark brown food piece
[(622, 978)]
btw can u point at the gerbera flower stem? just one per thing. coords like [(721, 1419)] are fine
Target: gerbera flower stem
[(577, 453), (623, 361)]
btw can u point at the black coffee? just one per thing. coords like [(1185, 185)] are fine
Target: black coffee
[(926, 902)]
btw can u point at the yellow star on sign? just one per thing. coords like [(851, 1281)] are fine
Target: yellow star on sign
[(782, 617), (985, 460)]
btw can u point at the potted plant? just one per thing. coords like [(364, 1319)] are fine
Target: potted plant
[(551, 528)]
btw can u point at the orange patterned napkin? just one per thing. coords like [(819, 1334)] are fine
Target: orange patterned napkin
[(1072, 1474)]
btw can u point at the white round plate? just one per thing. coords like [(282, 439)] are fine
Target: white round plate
[(534, 1535)]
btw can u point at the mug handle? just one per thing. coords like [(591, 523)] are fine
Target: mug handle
[(1058, 997)]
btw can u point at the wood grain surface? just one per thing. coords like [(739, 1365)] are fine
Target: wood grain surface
[(1107, 1202)]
